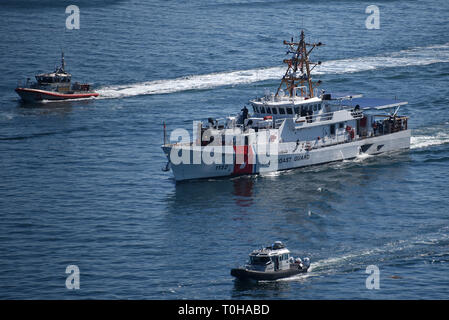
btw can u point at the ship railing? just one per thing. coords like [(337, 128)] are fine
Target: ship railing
[(389, 125), (315, 117), (218, 123), (278, 122), (24, 83)]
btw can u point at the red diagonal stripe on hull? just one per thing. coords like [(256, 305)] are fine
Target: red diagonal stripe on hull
[(243, 153)]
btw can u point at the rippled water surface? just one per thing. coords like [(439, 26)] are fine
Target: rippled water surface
[(81, 181)]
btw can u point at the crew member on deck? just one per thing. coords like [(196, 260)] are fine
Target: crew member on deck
[(244, 114)]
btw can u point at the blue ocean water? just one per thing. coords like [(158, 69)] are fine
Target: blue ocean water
[(81, 182)]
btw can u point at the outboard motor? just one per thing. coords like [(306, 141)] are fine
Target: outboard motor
[(326, 96), (306, 262)]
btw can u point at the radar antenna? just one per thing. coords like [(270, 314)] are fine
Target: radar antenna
[(62, 61), (299, 68)]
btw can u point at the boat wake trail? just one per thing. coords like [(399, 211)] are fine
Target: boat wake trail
[(196, 82), (409, 57), (429, 248), (424, 141)]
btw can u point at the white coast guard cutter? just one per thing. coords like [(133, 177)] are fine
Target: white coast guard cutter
[(293, 128)]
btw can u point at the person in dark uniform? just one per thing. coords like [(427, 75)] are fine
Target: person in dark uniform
[(244, 113)]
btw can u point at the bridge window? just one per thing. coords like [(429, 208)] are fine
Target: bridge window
[(332, 129), (262, 109), (259, 260), (281, 111), (275, 111), (303, 111), (296, 110), (289, 111), (315, 107), (268, 110)]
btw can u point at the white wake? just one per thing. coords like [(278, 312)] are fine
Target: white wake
[(409, 57), (424, 141)]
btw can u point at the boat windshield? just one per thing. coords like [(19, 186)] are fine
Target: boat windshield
[(260, 260)]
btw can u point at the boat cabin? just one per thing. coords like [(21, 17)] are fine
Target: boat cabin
[(273, 258), (48, 78), (284, 106)]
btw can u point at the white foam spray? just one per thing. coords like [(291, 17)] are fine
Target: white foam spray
[(424, 141)]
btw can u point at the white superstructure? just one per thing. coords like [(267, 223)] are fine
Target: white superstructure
[(290, 129), (272, 258)]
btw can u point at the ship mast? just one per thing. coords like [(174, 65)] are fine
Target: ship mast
[(62, 61), (299, 67)]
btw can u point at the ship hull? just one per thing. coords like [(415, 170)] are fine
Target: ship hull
[(244, 274), (36, 95), (286, 160)]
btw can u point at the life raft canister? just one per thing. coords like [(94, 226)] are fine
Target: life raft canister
[(268, 117), (348, 128)]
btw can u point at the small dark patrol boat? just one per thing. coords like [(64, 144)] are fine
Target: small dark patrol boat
[(54, 86), (271, 263)]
